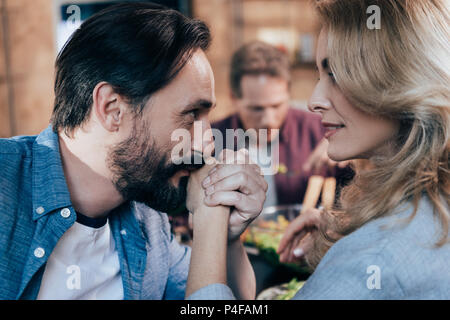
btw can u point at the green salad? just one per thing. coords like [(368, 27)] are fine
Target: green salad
[(291, 289)]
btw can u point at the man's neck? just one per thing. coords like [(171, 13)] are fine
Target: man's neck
[(91, 191)]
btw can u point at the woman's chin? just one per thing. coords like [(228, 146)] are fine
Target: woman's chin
[(340, 154)]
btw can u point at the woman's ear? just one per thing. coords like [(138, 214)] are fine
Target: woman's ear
[(108, 106)]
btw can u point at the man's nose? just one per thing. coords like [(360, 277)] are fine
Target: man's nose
[(269, 119), (203, 137)]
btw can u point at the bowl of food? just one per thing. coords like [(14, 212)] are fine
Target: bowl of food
[(288, 212), (264, 234), (285, 291)]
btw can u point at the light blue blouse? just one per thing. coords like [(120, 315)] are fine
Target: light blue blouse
[(388, 258)]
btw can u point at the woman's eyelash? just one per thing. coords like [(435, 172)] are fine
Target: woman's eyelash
[(331, 75)]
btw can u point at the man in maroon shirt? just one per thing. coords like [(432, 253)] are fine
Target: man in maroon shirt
[(260, 81)]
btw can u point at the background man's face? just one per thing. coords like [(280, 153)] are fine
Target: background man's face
[(141, 164), (264, 103)]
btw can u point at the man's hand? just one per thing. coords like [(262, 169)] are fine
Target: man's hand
[(319, 159), (238, 184), (297, 239)]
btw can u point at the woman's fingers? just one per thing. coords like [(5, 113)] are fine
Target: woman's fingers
[(306, 245), (295, 227), (302, 247), (295, 233), (295, 244), (284, 255), (297, 248)]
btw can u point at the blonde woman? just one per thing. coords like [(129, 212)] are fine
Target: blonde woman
[(384, 96)]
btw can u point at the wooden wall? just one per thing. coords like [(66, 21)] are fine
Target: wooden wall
[(235, 22), (27, 55)]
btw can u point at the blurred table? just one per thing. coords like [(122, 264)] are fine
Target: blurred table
[(268, 275)]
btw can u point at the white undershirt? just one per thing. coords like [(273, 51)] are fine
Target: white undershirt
[(262, 157), (84, 265)]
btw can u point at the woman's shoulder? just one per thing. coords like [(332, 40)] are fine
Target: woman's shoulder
[(388, 258), (404, 227)]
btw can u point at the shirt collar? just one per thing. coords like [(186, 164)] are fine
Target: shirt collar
[(49, 187)]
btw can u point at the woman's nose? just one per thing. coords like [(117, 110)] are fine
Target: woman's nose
[(318, 101), (318, 106)]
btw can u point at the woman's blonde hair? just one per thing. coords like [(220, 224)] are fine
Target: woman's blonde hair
[(400, 71)]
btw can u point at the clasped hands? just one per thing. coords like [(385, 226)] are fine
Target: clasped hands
[(232, 185)]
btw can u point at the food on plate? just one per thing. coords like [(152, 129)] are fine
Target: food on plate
[(282, 292), (280, 224), (266, 234)]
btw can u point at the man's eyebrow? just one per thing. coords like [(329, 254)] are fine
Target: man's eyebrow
[(201, 103), (277, 104)]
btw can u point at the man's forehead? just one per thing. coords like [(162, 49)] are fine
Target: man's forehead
[(265, 89), (192, 87), (200, 78), (200, 63)]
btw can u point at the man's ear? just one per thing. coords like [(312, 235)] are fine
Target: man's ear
[(108, 106)]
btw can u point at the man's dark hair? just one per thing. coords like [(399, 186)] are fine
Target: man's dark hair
[(138, 48), (257, 58)]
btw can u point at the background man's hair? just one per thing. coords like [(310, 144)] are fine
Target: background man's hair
[(257, 58), (137, 48)]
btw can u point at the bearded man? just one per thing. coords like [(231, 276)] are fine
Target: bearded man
[(82, 204)]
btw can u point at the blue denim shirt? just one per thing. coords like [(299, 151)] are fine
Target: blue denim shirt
[(33, 192)]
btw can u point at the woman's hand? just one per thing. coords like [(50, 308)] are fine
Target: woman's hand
[(298, 237), (195, 192), (210, 232), (215, 257)]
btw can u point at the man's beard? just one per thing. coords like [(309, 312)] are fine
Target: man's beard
[(141, 172)]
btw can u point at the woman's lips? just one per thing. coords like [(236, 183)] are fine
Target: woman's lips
[(329, 133), (331, 128)]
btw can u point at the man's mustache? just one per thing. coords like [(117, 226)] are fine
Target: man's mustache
[(190, 162)]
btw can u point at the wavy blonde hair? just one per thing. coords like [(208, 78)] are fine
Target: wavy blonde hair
[(401, 71)]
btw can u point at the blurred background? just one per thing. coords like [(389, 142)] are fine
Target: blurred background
[(33, 31)]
